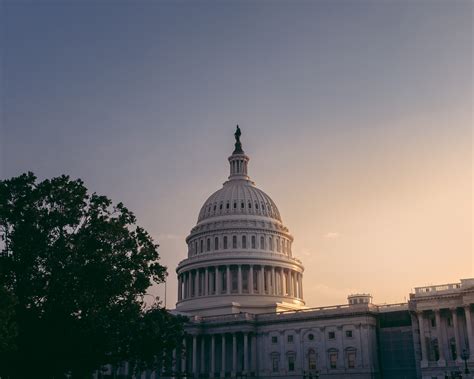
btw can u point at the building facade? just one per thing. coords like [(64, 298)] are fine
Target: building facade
[(242, 289)]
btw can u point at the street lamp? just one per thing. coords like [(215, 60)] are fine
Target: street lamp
[(464, 357)]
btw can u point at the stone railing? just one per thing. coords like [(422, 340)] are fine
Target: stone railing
[(441, 288)]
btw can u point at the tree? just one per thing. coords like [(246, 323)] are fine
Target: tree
[(77, 268)]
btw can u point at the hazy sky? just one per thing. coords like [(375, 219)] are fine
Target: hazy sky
[(357, 117)]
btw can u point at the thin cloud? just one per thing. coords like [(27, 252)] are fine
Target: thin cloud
[(332, 235)]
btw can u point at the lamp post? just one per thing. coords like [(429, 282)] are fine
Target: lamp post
[(464, 357)]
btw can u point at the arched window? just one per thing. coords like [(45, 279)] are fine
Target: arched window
[(256, 205), (262, 242), (290, 356), (220, 206), (225, 242), (270, 242), (311, 359), (234, 242), (227, 205), (242, 205), (253, 242), (332, 357), (202, 246), (350, 357), (278, 244), (235, 205), (244, 242), (208, 244), (216, 243)]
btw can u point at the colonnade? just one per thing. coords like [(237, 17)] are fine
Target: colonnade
[(217, 355), (442, 335), (240, 279)]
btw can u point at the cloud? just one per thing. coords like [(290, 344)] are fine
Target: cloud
[(332, 235), (169, 236)]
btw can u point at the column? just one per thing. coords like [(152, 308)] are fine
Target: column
[(223, 357), (250, 279), (456, 333), (183, 356), (228, 279), (274, 292), (194, 355), (206, 282), (470, 336), (290, 283), (196, 283), (218, 281), (179, 288), (424, 356), (301, 286), (282, 282), (246, 353), (189, 284), (441, 360), (261, 286), (239, 278), (203, 347), (213, 356), (234, 354), (253, 346)]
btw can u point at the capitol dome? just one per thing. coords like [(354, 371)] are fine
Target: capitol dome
[(239, 252)]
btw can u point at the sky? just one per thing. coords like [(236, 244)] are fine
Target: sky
[(357, 117)]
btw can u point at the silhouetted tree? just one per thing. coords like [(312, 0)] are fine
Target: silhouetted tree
[(75, 268)]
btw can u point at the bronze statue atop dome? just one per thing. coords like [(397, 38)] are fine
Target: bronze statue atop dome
[(238, 144)]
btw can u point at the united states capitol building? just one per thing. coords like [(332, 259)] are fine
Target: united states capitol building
[(243, 291)]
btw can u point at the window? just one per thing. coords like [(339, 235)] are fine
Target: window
[(215, 207), (256, 205), (433, 322), (274, 339), (225, 242), (351, 358), (244, 242), (291, 363), (262, 242), (278, 244), (311, 336), (234, 280), (349, 333), (270, 239), (234, 242), (250, 205), (202, 246), (216, 243), (208, 244), (449, 320), (253, 242), (235, 205), (332, 335), (224, 281), (311, 359), (275, 364), (227, 206), (242, 205), (290, 338), (220, 206), (333, 359)]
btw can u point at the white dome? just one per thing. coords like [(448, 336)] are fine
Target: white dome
[(239, 253), (239, 197)]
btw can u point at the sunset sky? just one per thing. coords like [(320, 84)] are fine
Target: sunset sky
[(357, 117)]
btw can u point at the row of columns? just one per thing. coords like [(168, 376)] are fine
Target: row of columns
[(459, 349), (248, 363), (270, 280)]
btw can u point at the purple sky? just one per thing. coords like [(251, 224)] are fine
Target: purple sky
[(357, 117)]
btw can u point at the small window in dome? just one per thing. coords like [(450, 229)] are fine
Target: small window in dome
[(262, 242), (253, 242), (263, 206), (235, 205), (234, 242), (220, 206), (250, 205), (227, 205), (215, 207), (242, 205), (244, 242), (216, 243), (225, 242), (256, 205), (202, 246), (208, 244)]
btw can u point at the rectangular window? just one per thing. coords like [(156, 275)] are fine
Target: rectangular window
[(349, 333), (253, 242), (244, 242), (332, 335), (234, 242), (262, 243), (274, 339), (332, 360), (224, 280), (225, 242), (245, 280), (449, 321), (234, 280), (291, 363), (351, 357), (290, 338), (433, 322)]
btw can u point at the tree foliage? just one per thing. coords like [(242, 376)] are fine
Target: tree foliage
[(76, 269)]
